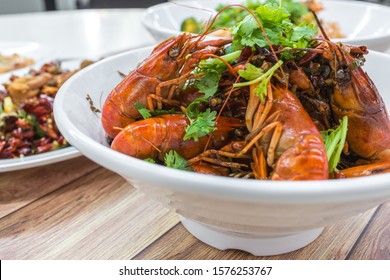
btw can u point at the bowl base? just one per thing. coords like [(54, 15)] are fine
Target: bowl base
[(255, 244)]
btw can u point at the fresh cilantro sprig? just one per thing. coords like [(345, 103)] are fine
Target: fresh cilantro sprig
[(229, 17), (262, 78), (296, 9), (279, 28), (173, 160), (211, 70), (150, 160), (334, 140), (193, 110), (146, 113), (251, 72), (202, 125)]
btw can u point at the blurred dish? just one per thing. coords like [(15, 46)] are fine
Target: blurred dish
[(38, 160), (29, 136), (369, 25), (13, 62), (15, 55)]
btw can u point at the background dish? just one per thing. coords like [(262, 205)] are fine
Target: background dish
[(223, 212), (44, 158), (33, 50), (38, 160), (369, 25)]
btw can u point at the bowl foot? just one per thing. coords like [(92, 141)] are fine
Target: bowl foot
[(255, 244)]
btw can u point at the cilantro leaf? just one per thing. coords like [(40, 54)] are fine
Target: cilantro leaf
[(334, 141), (212, 69), (272, 13), (261, 89), (251, 72), (303, 31), (193, 109), (150, 160), (208, 84), (202, 125), (173, 160), (145, 113), (278, 26), (295, 9), (262, 79)]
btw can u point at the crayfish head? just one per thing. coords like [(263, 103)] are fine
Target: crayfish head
[(354, 90), (167, 58)]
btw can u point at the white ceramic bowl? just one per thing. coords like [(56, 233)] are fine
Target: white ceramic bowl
[(261, 217), (363, 23)]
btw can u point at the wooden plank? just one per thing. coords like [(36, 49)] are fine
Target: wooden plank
[(334, 243), (99, 216), (19, 188), (374, 243)]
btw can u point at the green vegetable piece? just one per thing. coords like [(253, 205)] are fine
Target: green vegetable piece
[(145, 113), (173, 160), (150, 160), (263, 79), (278, 26), (212, 69), (208, 83), (190, 25), (33, 121), (202, 125), (193, 109), (251, 72), (334, 141), (303, 31), (272, 14)]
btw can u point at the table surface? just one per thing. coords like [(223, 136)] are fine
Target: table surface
[(78, 33), (76, 209)]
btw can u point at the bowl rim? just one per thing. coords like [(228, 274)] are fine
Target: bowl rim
[(352, 189), (149, 24)]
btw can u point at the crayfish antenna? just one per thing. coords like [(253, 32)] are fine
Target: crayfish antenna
[(319, 24)]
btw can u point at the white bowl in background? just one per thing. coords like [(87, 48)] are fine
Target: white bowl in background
[(261, 217), (363, 23)]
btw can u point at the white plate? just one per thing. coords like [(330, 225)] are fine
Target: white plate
[(33, 50), (262, 217), (44, 158), (38, 160), (363, 23)]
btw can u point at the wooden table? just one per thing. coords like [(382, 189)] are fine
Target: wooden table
[(78, 210)]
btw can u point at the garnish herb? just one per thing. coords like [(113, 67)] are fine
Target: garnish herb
[(145, 113), (334, 140), (202, 125), (211, 70), (251, 72), (173, 160), (193, 109), (150, 160), (231, 16), (32, 120), (280, 30)]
